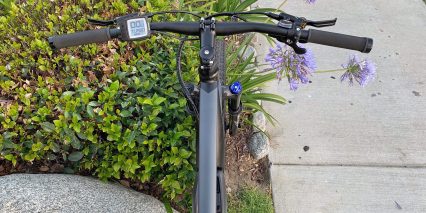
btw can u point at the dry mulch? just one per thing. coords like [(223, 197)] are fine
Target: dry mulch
[(241, 169)]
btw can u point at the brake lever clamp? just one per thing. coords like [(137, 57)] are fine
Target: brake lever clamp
[(294, 25)]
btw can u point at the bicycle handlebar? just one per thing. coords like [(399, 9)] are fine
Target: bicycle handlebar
[(361, 44), (82, 37)]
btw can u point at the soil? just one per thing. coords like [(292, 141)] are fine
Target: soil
[(6, 167), (241, 169)]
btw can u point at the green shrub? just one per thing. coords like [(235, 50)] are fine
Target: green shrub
[(113, 109)]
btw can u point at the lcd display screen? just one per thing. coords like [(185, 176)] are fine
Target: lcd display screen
[(137, 28)]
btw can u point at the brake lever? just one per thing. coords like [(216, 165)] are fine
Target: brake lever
[(302, 21), (101, 22), (324, 23), (115, 20)]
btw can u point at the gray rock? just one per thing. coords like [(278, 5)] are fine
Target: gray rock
[(259, 120), (70, 193), (259, 145)]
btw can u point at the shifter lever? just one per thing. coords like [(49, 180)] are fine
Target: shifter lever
[(298, 50), (292, 44)]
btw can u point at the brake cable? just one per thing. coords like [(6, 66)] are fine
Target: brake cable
[(180, 78), (147, 15)]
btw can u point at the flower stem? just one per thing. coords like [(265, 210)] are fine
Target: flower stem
[(325, 71)]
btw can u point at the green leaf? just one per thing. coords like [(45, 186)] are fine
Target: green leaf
[(259, 81), (114, 86), (175, 150), (36, 119), (234, 54), (37, 146), (266, 97), (93, 104), (244, 5), (8, 135), (184, 154), (116, 167), (75, 156), (67, 94), (29, 157), (159, 100), (89, 111), (146, 101), (176, 184), (9, 157), (125, 113), (167, 206), (47, 126), (58, 123), (262, 10), (130, 135), (173, 106), (255, 106), (68, 170), (75, 142)]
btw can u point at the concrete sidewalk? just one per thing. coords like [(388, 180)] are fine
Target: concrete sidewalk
[(352, 149)]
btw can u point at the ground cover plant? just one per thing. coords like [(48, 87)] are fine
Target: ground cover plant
[(251, 199), (111, 109)]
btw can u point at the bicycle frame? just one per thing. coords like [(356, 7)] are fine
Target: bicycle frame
[(211, 143), (211, 132)]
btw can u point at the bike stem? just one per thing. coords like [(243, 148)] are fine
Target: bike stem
[(207, 39)]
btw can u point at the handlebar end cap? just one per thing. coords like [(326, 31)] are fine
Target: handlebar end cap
[(51, 44), (368, 45)]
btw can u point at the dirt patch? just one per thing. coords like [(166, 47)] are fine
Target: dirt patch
[(6, 167), (241, 169)]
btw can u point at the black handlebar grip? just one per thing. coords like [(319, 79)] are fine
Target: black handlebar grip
[(80, 38), (361, 44)]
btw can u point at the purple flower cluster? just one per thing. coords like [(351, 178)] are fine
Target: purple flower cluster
[(361, 71), (296, 68), (310, 1)]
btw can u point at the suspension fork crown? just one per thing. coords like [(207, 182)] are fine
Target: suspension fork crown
[(207, 70), (233, 93)]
